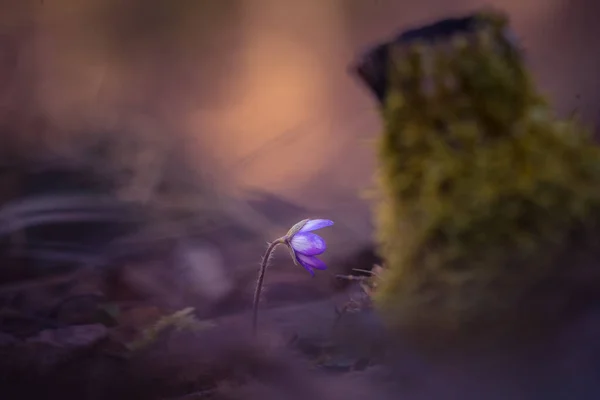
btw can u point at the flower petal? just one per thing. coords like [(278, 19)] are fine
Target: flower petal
[(308, 244), (314, 224), (296, 228), (309, 269), (311, 262)]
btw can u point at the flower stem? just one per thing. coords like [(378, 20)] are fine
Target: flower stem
[(259, 282)]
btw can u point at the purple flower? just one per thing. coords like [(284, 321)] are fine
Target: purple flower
[(305, 245)]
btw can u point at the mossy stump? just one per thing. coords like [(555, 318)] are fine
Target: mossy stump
[(489, 205)]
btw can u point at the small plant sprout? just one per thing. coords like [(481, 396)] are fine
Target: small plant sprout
[(368, 285), (304, 246)]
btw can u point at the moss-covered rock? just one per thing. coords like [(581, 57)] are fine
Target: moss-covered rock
[(483, 190)]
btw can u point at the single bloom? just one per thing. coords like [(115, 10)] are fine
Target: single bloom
[(305, 245)]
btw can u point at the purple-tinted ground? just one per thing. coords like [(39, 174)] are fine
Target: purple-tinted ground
[(299, 355), (77, 349)]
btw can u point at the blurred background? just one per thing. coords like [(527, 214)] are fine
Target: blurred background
[(225, 121), (167, 140), (259, 88), (252, 98)]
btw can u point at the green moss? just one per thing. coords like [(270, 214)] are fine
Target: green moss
[(481, 186)]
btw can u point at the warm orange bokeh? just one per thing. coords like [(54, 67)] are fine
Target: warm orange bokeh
[(261, 85)]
